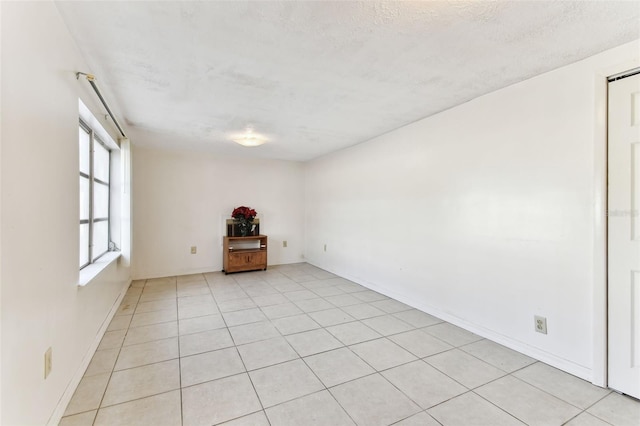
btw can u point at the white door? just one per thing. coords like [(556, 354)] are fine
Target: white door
[(624, 235)]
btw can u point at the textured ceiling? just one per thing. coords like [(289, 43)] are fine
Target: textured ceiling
[(315, 77)]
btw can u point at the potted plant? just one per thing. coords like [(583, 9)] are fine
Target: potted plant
[(244, 217)]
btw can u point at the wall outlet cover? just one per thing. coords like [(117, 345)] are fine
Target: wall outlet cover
[(540, 324)]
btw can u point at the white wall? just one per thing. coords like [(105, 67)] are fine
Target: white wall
[(42, 306), (483, 214), (1, 115), (182, 199)]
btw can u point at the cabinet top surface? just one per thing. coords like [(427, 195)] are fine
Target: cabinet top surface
[(248, 237)]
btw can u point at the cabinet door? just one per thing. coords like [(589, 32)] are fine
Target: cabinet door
[(238, 260), (259, 259), (246, 261)]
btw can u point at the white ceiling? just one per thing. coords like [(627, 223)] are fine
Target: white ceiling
[(315, 77)]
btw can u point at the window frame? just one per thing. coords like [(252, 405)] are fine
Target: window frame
[(92, 220)]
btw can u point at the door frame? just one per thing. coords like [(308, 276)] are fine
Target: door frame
[(600, 194)]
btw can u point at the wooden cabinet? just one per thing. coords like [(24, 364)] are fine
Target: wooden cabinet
[(244, 253)]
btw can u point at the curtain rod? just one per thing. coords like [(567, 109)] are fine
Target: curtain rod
[(92, 80)]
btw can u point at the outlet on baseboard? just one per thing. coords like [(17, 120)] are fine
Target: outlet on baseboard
[(48, 362), (194, 249), (540, 324)]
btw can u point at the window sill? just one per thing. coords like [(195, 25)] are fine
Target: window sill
[(89, 272)]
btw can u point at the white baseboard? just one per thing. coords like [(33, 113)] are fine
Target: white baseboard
[(73, 384), (206, 270), (533, 352)]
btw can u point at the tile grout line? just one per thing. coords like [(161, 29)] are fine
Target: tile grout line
[(596, 402), (322, 327), (179, 358), (390, 314), (245, 286), (246, 372), (300, 357), (554, 396), (116, 361), (495, 405)]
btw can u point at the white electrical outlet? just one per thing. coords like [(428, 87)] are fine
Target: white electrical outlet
[(540, 324), (48, 362), (284, 243), (194, 249), (325, 247)]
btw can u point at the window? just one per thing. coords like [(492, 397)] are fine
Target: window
[(95, 166)]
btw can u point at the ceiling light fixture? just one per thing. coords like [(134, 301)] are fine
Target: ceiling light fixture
[(249, 139)]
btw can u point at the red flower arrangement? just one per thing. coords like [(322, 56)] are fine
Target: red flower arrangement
[(244, 217), (242, 212)]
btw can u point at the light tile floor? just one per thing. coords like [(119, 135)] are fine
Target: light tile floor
[(296, 345)]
